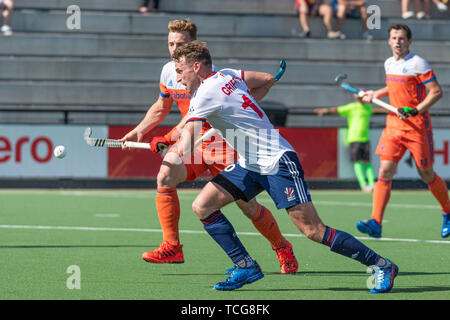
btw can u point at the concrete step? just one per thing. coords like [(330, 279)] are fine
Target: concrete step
[(389, 8), (211, 25), (122, 95), (148, 70), (116, 46)]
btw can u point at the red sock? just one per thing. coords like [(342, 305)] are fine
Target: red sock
[(438, 188), (265, 223), (381, 196), (168, 208)]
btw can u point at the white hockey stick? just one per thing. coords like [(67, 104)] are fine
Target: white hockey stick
[(111, 143), (339, 79)]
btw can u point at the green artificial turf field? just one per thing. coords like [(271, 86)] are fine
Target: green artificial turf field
[(103, 234)]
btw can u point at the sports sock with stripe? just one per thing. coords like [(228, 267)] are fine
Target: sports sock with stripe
[(347, 245), (168, 208), (221, 230), (266, 224)]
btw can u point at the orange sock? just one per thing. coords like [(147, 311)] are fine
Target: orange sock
[(265, 223), (168, 208), (381, 196), (438, 188)]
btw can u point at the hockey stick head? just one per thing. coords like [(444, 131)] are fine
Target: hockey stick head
[(340, 81), (281, 71), (340, 78), (87, 135)]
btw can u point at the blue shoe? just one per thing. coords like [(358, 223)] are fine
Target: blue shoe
[(384, 277), (371, 227), (445, 231), (240, 276)]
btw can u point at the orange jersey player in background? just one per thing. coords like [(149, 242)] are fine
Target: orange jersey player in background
[(408, 78), (173, 170)]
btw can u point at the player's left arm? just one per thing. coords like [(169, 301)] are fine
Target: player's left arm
[(189, 134), (259, 83), (434, 94)]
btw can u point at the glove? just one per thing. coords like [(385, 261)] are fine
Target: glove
[(408, 112), (158, 144)]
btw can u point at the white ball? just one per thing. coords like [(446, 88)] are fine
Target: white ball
[(60, 152)]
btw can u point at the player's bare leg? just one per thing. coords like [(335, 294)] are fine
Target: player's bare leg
[(210, 199), (266, 224), (171, 173), (307, 220)]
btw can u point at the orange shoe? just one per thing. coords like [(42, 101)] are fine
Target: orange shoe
[(288, 262), (165, 253)]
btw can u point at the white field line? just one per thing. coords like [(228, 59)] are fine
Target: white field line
[(192, 194), (196, 232)]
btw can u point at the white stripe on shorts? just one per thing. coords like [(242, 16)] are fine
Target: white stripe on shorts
[(293, 170)]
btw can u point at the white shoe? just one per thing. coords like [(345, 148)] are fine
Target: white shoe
[(336, 35), (442, 7), (6, 30), (333, 34), (420, 15), (408, 14), (368, 188)]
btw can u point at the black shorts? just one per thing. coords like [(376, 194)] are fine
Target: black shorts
[(360, 151)]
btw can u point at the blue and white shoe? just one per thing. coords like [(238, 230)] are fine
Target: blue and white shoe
[(371, 227), (384, 277), (239, 277), (445, 231)]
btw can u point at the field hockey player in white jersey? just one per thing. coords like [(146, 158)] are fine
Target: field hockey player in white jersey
[(173, 171), (222, 99)]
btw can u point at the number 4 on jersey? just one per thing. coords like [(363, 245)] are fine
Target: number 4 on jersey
[(248, 103)]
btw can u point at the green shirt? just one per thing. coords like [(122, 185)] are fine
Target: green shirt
[(358, 120)]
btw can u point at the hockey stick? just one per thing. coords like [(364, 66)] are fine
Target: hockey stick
[(111, 143), (340, 80), (281, 71)]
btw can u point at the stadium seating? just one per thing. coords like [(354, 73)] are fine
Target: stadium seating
[(108, 71)]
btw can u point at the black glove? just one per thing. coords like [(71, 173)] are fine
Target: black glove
[(408, 112)]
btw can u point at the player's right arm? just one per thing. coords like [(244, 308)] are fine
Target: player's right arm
[(155, 114), (322, 111), (258, 83)]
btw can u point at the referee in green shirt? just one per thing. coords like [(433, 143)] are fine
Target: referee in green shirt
[(358, 121)]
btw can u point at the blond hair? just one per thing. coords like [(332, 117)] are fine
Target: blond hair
[(195, 51), (184, 25)]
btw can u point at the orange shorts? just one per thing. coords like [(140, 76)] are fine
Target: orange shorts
[(213, 155), (394, 143)]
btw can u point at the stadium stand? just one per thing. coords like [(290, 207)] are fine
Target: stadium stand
[(108, 71)]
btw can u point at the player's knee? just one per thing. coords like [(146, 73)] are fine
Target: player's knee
[(427, 174), (200, 210), (386, 173), (165, 178)]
